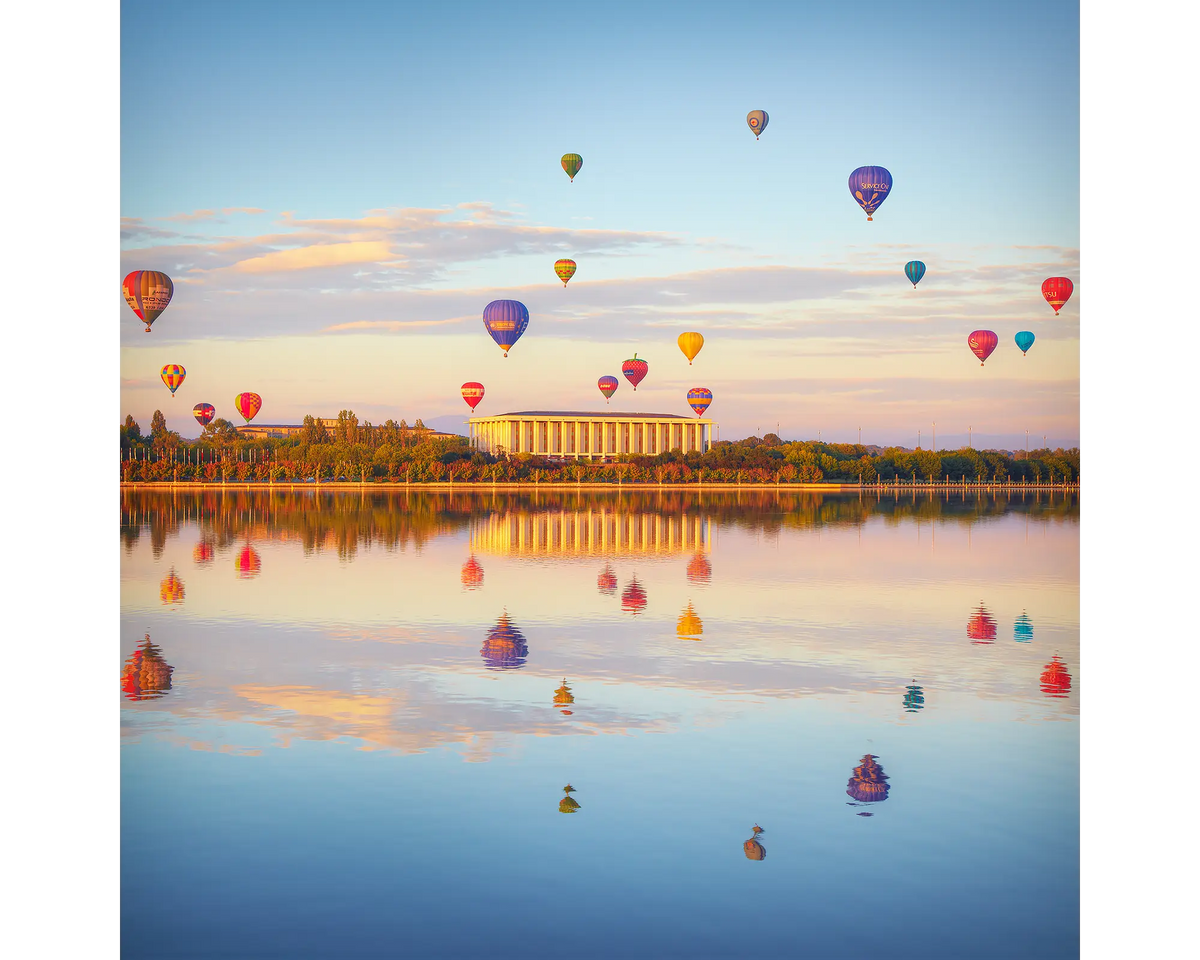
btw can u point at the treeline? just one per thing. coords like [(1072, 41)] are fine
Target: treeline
[(345, 450)]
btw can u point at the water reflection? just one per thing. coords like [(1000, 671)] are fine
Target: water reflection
[(505, 648), (606, 583), (914, 699), (699, 569), (471, 574), (633, 599), (146, 675), (752, 848), (1023, 629), (689, 626), (868, 783), (981, 628), (1056, 681), (592, 529), (203, 552), (564, 698), (248, 563), (568, 804), (171, 588)]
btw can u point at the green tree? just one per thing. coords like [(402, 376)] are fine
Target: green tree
[(158, 424), (132, 430)]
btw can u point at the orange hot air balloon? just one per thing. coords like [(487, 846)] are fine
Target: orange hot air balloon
[(563, 698), (472, 574), (981, 628), (868, 783), (689, 625), (699, 570), (248, 405), (1057, 291), (565, 270), (472, 392), (147, 292), (752, 848), (146, 675), (1056, 681), (982, 343), (248, 563), (633, 600), (171, 588)]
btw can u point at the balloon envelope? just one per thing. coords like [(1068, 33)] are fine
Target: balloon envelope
[(172, 375), (699, 398), (147, 292), (1023, 629), (870, 186), (472, 392), (690, 344), (572, 163), (1057, 291), (981, 628), (868, 783), (1056, 681), (635, 370), (633, 599), (757, 120), (471, 574), (248, 563), (506, 320), (982, 343), (565, 270), (505, 648), (204, 412), (608, 386), (914, 270), (1025, 340), (248, 405)]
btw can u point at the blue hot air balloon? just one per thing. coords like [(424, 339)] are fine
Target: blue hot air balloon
[(914, 270), (1025, 340), (1023, 628), (870, 186), (506, 320)]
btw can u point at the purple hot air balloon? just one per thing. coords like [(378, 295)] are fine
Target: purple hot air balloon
[(505, 648), (608, 386), (870, 186), (506, 320)]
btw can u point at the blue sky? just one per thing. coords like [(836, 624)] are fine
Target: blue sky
[(404, 160)]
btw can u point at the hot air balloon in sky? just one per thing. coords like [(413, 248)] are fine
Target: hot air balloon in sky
[(982, 343), (572, 163), (147, 292), (248, 405), (870, 186), (506, 320), (914, 270), (698, 399), (472, 392), (608, 386), (1023, 628), (565, 270), (1056, 290), (248, 564), (868, 783), (146, 675), (635, 370), (757, 121), (1025, 341), (172, 375), (204, 412), (505, 648), (690, 344)]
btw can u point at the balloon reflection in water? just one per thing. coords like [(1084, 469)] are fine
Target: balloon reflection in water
[(472, 574), (1023, 629), (633, 600), (699, 570), (568, 804), (248, 563), (981, 628), (563, 698), (504, 648), (752, 848), (869, 783), (914, 700), (171, 588), (1056, 682), (203, 552), (607, 581), (146, 675), (689, 626)]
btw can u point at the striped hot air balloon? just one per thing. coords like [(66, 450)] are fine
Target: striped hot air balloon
[(757, 120), (868, 783), (982, 343), (506, 320), (608, 386), (248, 405), (147, 292), (172, 375), (870, 186), (472, 392), (1057, 291), (171, 589), (690, 343), (572, 163), (204, 412), (635, 370), (146, 675), (1024, 341), (565, 269), (699, 398), (914, 270)]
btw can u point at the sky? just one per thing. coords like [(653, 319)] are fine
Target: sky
[(338, 196)]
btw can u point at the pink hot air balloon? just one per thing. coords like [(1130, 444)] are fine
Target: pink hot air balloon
[(635, 370), (608, 386), (982, 343)]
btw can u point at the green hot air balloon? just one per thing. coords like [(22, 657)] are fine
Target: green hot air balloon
[(572, 163)]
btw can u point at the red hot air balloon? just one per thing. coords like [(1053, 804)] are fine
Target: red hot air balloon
[(1056, 682), (699, 570), (248, 405), (1057, 291), (982, 343), (472, 574), (981, 628), (633, 600), (472, 392), (248, 564), (608, 386), (606, 583), (699, 398), (635, 370), (204, 412), (146, 675), (147, 292)]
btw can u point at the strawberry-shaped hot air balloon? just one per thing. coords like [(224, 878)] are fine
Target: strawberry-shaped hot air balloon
[(172, 375), (635, 370), (870, 186), (608, 386), (699, 398), (572, 163), (472, 392), (248, 405), (204, 412), (982, 343), (1056, 290), (565, 269), (147, 292), (506, 320)]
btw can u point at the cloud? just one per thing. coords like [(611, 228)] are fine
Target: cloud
[(192, 217), (392, 324), (319, 255), (133, 228), (248, 210)]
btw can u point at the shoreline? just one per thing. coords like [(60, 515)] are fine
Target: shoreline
[(485, 485)]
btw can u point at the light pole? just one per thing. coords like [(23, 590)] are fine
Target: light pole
[(1027, 442), (935, 436), (968, 435)]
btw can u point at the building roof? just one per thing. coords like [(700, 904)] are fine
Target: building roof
[(623, 414)]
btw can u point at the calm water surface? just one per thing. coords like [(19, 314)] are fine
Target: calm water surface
[(350, 722)]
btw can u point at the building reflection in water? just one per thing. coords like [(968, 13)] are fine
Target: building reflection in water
[(568, 804), (607, 581), (563, 698), (1023, 629), (752, 848), (914, 699), (203, 552), (248, 563), (146, 675), (689, 626), (699, 569), (472, 574), (1056, 681), (171, 588), (504, 648), (868, 783), (599, 531), (981, 628), (633, 600)]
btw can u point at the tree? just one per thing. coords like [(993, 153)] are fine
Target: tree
[(132, 430), (158, 424), (347, 427), (219, 429)]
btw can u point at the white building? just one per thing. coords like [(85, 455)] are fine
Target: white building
[(583, 435)]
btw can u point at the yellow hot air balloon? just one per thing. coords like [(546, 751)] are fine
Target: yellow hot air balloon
[(689, 625), (690, 344)]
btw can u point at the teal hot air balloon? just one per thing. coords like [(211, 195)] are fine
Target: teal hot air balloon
[(914, 698), (1025, 341), (914, 270), (1023, 628)]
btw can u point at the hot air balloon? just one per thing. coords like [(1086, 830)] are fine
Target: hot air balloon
[(982, 343), (146, 675), (568, 803), (172, 375), (171, 588), (633, 600), (202, 552), (506, 320), (698, 399), (563, 698), (204, 412), (572, 163), (752, 848), (504, 648), (147, 292), (608, 386), (868, 783), (1056, 682), (914, 270), (1025, 341), (689, 625), (1056, 290), (699, 570), (472, 392), (606, 583), (248, 564), (565, 270), (914, 699), (870, 186), (635, 370), (757, 121), (471, 574), (248, 405), (981, 628), (690, 344), (1023, 628)]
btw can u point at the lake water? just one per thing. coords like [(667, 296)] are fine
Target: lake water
[(349, 721)]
